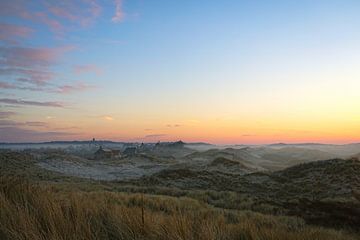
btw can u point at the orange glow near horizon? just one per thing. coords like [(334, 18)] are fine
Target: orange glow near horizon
[(215, 131)]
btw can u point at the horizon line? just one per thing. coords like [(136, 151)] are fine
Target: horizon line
[(186, 142)]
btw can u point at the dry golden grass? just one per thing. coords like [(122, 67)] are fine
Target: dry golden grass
[(32, 212)]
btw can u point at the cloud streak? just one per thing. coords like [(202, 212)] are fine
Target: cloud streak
[(119, 13), (83, 12), (64, 89), (29, 124), (88, 68), (30, 67), (155, 135), (5, 85), (31, 103), (10, 33), (58, 16), (32, 76), (107, 117), (19, 134), (7, 114), (25, 57), (79, 87), (36, 124), (173, 125)]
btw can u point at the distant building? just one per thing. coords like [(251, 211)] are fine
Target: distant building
[(130, 151), (103, 153)]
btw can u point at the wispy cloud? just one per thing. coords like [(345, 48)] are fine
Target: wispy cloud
[(64, 89), (31, 57), (30, 67), (155, 135), (15, 8), (58, 16), (7, 114), (32, 76), (19, 134), (21, 9), (78, 87), (107, 118), (8, 123), (36, 124), (55, 26), (65, 128), (31, 103), (88, 68), (83, 12), (173, 125), (5, 85), (119, 13), (16, 123), (10, 32), (63, 11), (103, 117)]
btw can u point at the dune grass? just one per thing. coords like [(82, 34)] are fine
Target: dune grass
[(30, 211)]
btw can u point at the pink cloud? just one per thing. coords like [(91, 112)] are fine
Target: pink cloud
[(63, 13), (53, 24), (30, 65), (94, 11), (119, 13), (83, 12), (10, 32), (52, 13), (5, 85), (39, 79), (36, 77), (73, 88), (79, 69), (30, 57), (95, 8)]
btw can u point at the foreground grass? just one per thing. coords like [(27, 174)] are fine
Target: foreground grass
[(29, 211)]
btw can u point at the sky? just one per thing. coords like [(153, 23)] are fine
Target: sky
[(223, 72)]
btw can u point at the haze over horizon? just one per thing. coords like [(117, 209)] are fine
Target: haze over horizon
[(229, 72), (191, 142)]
